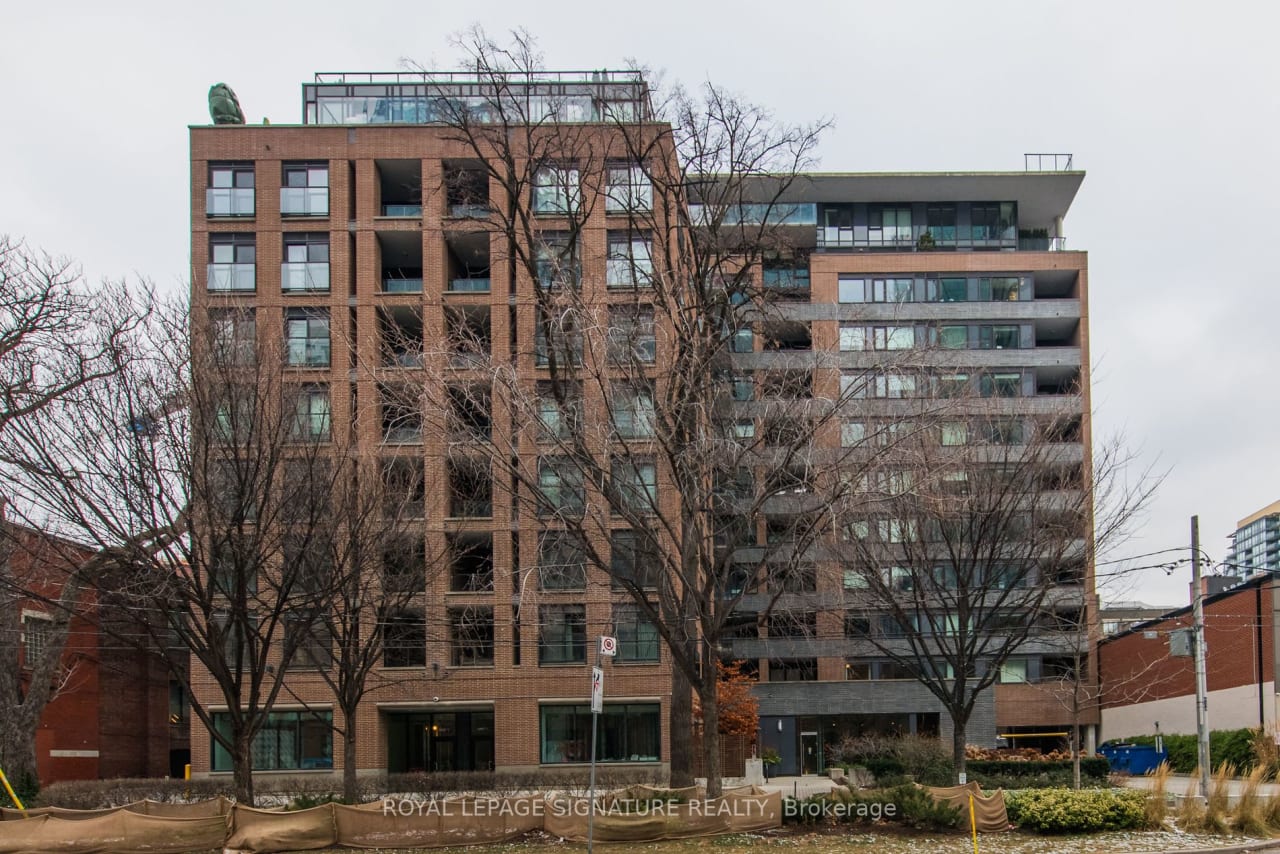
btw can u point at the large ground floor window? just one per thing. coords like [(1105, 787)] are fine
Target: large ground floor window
[(420, 741), (288, 741), (629, 732)]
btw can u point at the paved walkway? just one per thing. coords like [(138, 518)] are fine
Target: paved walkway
[(801, 787), (1180, 784)]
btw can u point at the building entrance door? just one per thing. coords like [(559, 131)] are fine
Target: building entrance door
[(809, 755)]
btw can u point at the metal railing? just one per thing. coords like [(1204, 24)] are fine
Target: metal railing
[(1046, 162), (463, 77)]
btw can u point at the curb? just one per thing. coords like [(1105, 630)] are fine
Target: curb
[(1243, 848)]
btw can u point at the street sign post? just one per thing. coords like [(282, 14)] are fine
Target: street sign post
[(606, 648)]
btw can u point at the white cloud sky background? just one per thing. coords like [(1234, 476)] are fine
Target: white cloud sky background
[(1172, 108)]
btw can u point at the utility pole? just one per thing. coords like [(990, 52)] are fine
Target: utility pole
[(1201, 653)]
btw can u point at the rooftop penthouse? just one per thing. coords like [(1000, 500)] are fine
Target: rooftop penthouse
[(432, 97)]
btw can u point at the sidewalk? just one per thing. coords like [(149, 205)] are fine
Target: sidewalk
[(1180, 784)]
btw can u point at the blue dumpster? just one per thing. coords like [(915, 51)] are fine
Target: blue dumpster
[(1135, 759)]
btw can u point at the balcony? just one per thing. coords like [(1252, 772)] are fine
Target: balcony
[(304, 201), (471, 285), (401, 285), (917, 238), (311, 353), (238, 278), (228, 201), (300, 276), (402, 210)]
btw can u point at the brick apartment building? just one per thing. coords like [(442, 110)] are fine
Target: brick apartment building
[(365, 228), (1148, 673), (117, 713)]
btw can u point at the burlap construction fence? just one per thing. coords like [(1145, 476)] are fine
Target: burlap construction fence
[(118, 832), (634, 814), (406, 823), (988, 810), (645, 814)]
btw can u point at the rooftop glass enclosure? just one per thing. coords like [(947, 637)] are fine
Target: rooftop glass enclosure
[(347, 98)]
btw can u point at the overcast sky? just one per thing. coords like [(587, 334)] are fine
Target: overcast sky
[(1171, 107)]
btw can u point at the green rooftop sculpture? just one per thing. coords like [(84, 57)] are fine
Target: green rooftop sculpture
[(223, 106)]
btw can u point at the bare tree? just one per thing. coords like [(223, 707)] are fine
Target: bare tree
[(976, 538), (204, 471), (638, 434), (58, 338)]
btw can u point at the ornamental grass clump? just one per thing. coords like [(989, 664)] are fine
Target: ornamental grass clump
[(1250, 815), (1158, 798)]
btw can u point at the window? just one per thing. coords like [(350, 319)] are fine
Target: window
[(953, 337), (556, 190), (562, 562), (628, 732), (1014, 670), (893, 337), (627, 188), (857, 626), (560, 486), (631, 560), (471, 637), (793, 670), (404, 565), (899, 531), (941, 220), (955, 433), (637, 636), (742, 341), (556, 261), (470, 562), (852, 290), (311, 415), (999, 337), (629, 263), (470, 488), (232, 263), (559, 338), (306, 262), (855, 579), (306, 332), (889, 225), (563, 635), (304, 189), (635, 484), (631, 334), (853, 338), (1002, 432), (898, 578), (953, 385), (287, 741), (1000, 288), (234, 334), (1001, 385), (891, 290), (952, 290), (857, 670), (742, 388), (230, 191), (559, 418), (894, 670), (892, 386), (310, 639), (36, 631), (631, 410), (404, 639)]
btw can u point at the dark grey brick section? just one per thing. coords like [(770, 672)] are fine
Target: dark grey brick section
[(783, 699)]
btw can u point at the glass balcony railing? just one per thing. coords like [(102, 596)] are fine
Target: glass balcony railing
[(304, 201), (782, 213), (232, 277), (402, 210), (401, 286), (786, 280), (309, 353), (228, 201), (469, 285), (468, 211), (304, 276), (917, 238)]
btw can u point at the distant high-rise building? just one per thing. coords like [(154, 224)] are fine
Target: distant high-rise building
[(1255, 546)]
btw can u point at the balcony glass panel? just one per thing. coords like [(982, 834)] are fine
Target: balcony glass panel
[(401, 286), (232, 277), (304, 276), (402, 210), (304, 201), (228, 201), (468, 286)]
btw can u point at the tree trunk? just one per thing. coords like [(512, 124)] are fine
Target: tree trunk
[(242, 768), (1075, 752), (958, 744), (349, 794), (681, 734), (18, 750), (711, 730)]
